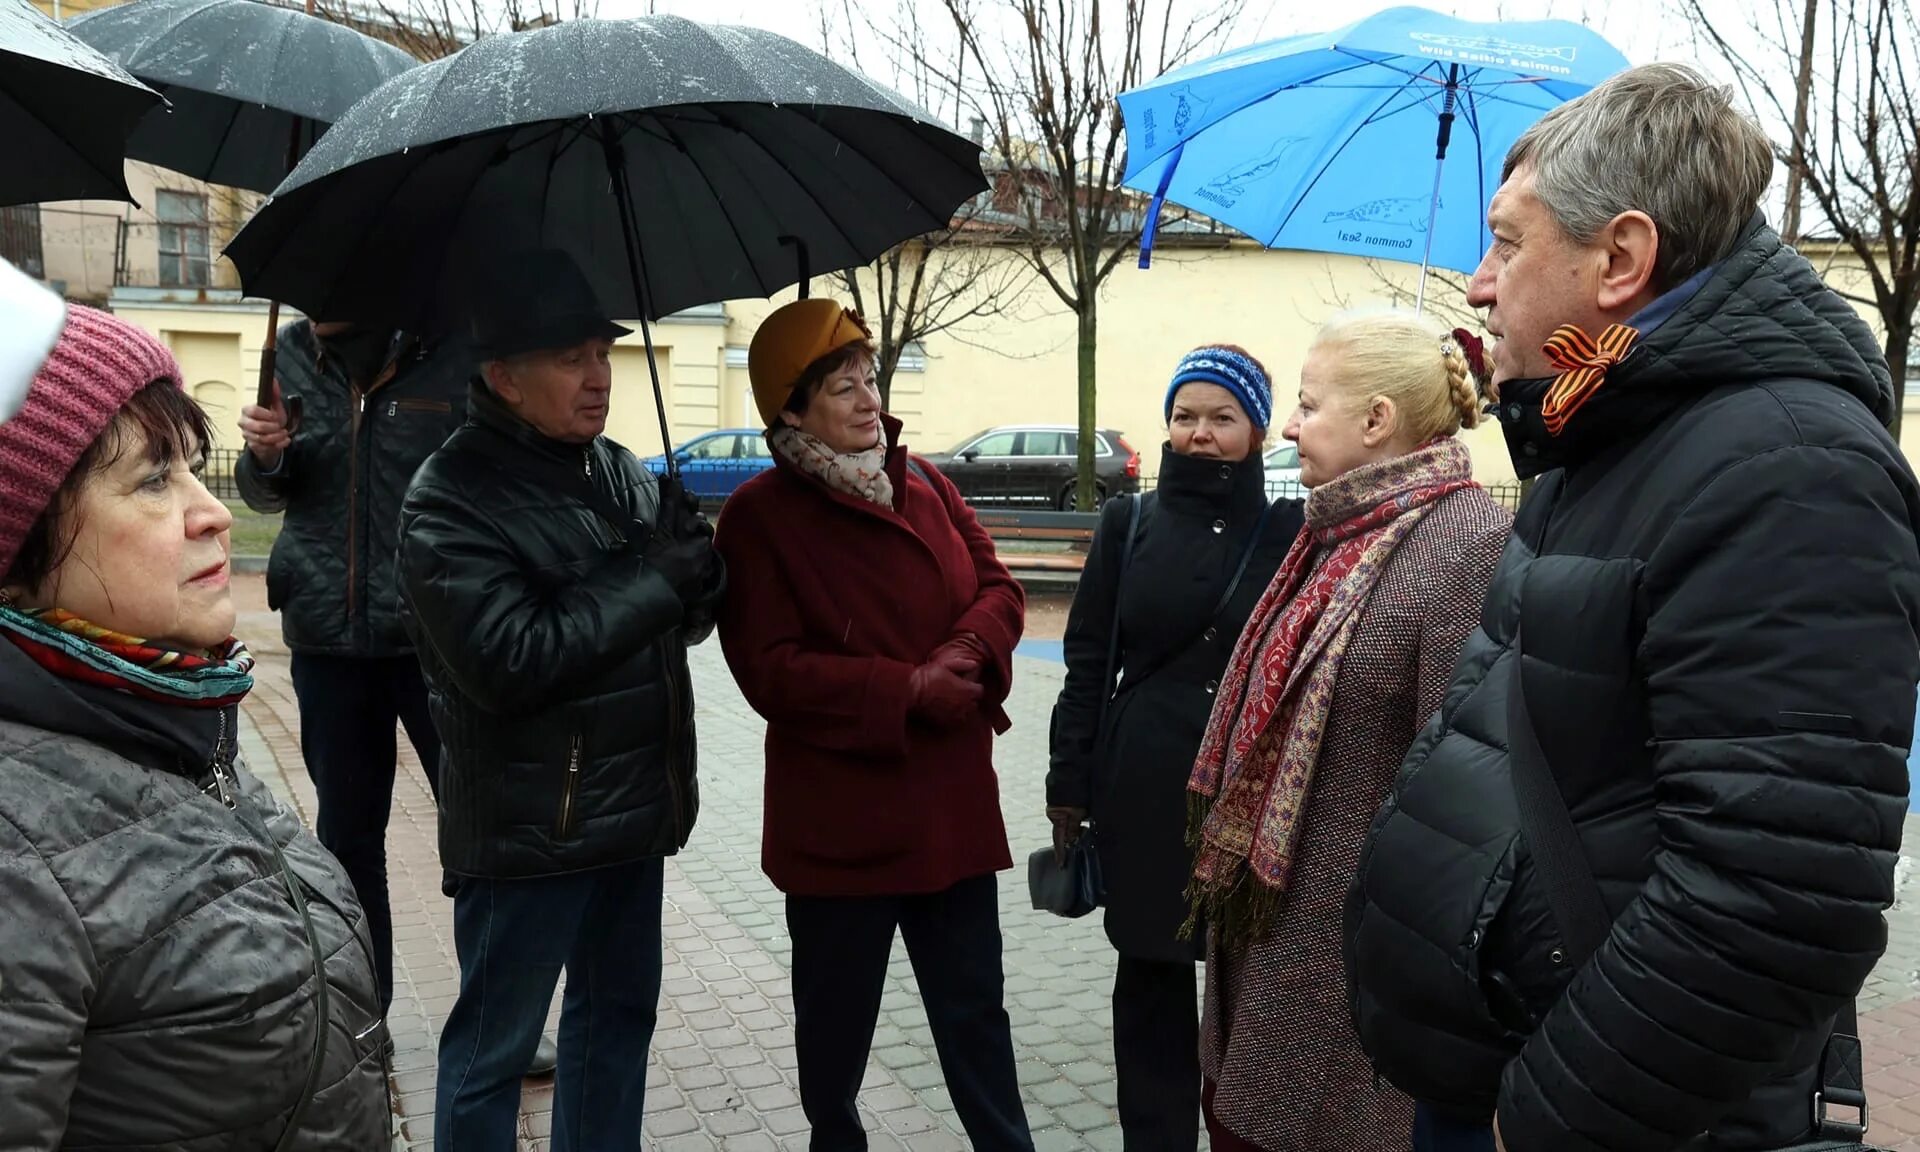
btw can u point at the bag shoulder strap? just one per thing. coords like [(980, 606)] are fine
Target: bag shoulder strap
[(1552, 839), (1584, 922), (1113, 633)]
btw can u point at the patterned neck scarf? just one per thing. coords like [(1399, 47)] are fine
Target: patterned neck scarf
[(861, 475), (73, 649), (1253, 777)]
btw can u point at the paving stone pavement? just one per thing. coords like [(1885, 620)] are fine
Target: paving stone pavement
[(722, 1075)]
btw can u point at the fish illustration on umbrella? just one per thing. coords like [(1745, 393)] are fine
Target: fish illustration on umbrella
[(1230, 185), (1396, 212), (1496, 45)]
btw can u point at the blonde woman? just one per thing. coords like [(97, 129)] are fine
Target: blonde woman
[(1340, 665)]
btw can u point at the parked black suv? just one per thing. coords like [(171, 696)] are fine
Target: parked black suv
[(1032, 466)]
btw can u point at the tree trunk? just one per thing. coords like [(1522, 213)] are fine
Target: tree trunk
[(883, 371), (1089, 301), (1899, 341), (1803, 88)]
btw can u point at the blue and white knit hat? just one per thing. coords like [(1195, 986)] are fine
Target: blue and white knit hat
[(1231, 369)]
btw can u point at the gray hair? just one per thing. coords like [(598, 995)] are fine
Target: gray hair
[(1660, 139)]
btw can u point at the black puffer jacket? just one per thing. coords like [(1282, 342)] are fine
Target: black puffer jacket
[(555, 657), (156, 980), (1194, 528), (340, 485), (1716, 587)]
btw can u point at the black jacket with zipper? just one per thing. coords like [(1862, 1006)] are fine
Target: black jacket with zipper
[(1716, 587), (157, 982), (555, 656), (1132, 774), (340, 484)]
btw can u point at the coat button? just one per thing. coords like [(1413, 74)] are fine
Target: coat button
[(1226, 471), (1530, 449), (1513, 412), (1210, 634), (1219, 526), (1473, 938), (1212, 687), (1557, 956)]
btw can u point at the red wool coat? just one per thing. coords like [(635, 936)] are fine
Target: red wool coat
[(831, 604)]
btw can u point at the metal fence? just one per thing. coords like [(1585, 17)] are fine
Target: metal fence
[(219, 473)]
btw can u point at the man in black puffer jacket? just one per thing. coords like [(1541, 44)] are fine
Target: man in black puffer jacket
[(1715, 584), (371, 406), (552, 594)]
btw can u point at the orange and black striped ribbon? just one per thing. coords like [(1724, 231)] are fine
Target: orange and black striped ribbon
[(1583, 363)]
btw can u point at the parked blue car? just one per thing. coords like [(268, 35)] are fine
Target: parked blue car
[(712, 465)]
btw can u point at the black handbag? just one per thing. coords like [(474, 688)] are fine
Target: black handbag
[(1574, 897), (1071, 889)]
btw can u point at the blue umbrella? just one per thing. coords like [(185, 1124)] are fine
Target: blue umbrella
[(1338, 141)]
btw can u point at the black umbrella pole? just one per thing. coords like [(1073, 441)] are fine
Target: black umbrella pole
[(629, 228)]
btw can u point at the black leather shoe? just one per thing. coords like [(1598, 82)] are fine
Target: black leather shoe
[(545, 1059)]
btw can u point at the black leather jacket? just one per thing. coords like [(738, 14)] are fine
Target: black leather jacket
[(554, 655)]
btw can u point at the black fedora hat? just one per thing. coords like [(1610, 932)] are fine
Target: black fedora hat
[(537, 300)]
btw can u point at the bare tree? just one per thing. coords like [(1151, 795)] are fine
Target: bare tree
[(1045, 95), (432, 29), (1852, 142), (946, 279)]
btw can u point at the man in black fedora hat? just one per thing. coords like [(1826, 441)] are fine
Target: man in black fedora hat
[(553, 592)]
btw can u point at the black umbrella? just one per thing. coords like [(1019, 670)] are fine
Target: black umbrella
[(65, 111), (251, 85), (678, 163), (246, 80)]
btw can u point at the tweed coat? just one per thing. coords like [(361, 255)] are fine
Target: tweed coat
[(1275, 1037)]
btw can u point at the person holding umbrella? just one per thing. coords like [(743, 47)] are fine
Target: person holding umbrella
[(373, 406), (181, 963), (552, 594), (872, 625)]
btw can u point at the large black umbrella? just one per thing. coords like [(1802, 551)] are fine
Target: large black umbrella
[(252, 86), (65, 111), (678, 163)]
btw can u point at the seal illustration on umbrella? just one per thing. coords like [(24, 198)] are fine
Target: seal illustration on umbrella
[(1227, 188), (1393, 212)]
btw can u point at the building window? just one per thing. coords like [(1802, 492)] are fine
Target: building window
[(913, 358), (183, 239), (20, 239)]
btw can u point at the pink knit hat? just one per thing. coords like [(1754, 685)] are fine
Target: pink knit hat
[(98, 364)]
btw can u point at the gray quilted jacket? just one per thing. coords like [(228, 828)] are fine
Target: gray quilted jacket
[(157, 982)]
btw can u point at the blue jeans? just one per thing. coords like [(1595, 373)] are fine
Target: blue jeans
[(1433, 1132), (513, 938)]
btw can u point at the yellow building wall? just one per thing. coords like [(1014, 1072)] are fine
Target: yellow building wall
[(1018, 367), (219, 354)]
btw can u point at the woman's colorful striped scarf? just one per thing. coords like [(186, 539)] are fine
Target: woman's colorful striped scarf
[(74, 649)]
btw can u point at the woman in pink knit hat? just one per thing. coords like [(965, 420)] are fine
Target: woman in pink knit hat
[(180, 962)]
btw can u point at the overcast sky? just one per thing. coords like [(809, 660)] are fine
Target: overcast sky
[(1643, 29)]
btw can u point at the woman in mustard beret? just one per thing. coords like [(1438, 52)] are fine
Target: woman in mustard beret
[(872, 626)]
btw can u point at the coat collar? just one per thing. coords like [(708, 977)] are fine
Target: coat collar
[(486, 410), (1193, 486)]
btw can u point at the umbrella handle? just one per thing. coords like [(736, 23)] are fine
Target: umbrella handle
[(1442, 138)]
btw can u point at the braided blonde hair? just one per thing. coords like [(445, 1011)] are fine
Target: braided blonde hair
[(1409, 360)]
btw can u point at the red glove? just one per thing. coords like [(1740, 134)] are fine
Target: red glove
[(965, 648), (941, 693)]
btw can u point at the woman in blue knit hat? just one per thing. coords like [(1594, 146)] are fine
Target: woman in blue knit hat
[(1171, 578)]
